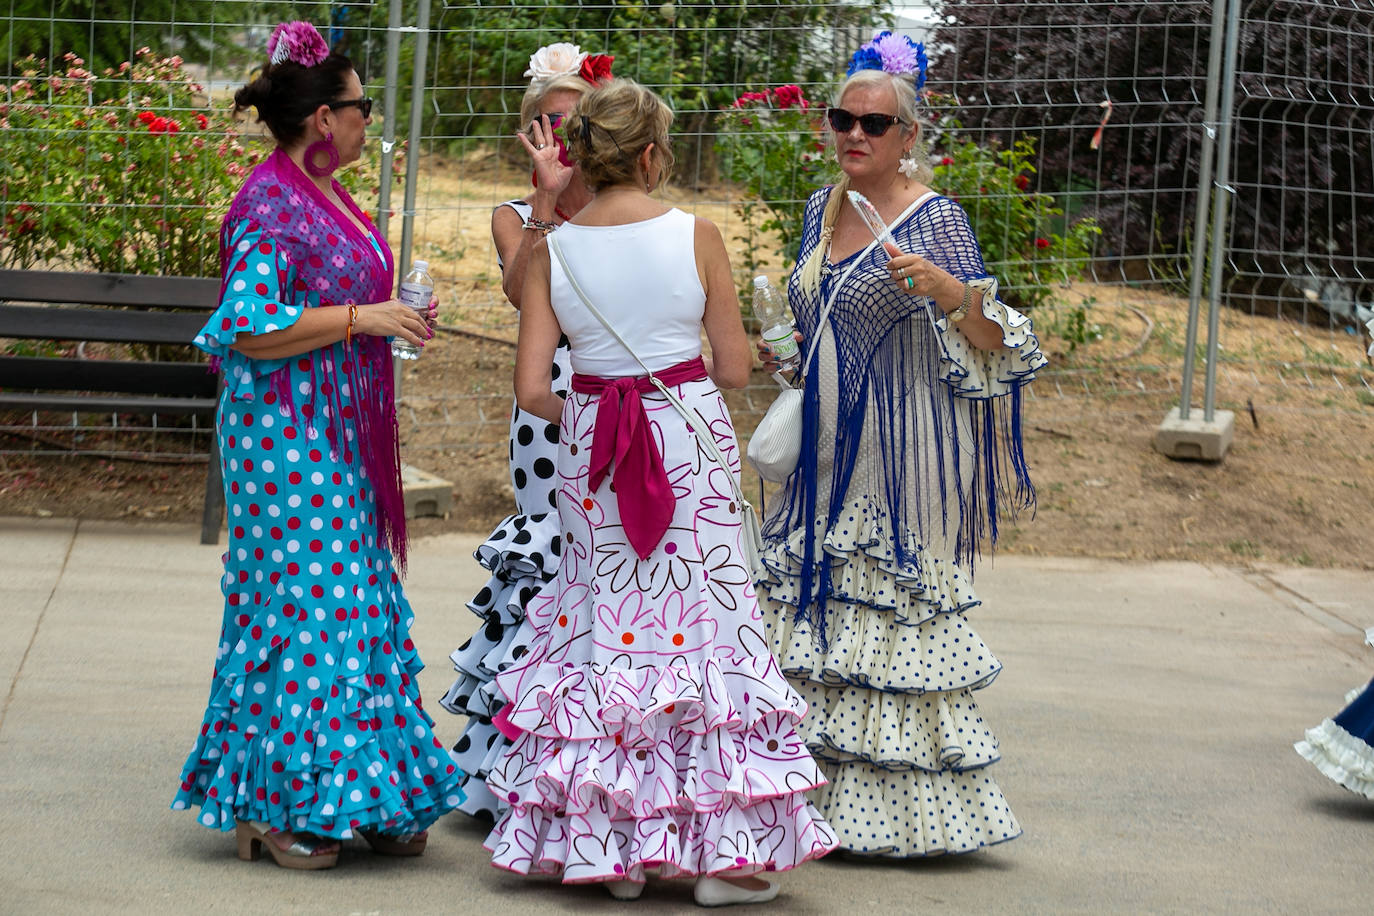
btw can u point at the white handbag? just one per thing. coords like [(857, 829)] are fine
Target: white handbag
[(751, 532), (775, 447)]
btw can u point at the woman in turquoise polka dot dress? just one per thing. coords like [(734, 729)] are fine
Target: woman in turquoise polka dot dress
[(314, 730)]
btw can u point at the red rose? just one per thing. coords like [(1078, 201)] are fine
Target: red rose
[(1022, 182), (789, 96), (596, 68), (146, 116), (946, 161), (157, 125), (202, 121), (1042, 243)]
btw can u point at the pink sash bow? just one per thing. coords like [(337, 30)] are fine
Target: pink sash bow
[(622, 435)]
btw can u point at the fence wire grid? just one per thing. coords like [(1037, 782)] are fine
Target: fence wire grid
[(1112, 94)]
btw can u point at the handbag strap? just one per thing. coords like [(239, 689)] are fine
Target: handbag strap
[(839, 284), (693, 419)]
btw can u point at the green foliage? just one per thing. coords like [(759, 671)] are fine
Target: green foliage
[(1026, 242), (770, 144), (696, 53), (130, 172), (103, 31)]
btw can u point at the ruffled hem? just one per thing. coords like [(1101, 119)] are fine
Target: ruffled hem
[(975, 373), (913, 813), (638, 705), (343, 714), (866, 571), (1340, 756), (521, 553), (677, 771), (773, 835), (890, 625), (936, 732)]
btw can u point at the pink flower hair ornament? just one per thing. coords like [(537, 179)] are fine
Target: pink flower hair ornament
[(299, 42)]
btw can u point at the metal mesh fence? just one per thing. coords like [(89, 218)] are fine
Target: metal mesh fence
[(1292, 328)]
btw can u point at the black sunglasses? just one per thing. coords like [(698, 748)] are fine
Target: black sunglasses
[(364, 105), (555, 119), (875, 125)]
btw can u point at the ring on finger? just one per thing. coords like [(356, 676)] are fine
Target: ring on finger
[(540, 145), (901, 271), (910, 283)]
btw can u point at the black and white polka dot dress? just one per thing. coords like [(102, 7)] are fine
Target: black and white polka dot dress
[(521, 554), (892, 718)]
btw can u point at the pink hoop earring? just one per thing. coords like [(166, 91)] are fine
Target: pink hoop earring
[(325, 148)]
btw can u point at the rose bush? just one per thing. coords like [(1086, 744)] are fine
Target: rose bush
[(128, 172), (770, 144)]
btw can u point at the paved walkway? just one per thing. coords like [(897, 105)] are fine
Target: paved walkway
[(1146, 714)]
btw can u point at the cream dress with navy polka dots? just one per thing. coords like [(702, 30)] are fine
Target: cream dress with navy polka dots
[(893, 721)]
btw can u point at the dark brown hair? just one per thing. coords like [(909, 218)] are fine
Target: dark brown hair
[(285, 94)]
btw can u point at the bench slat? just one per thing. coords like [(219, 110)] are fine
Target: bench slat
[(10, 400), (110, 289), (186, 379), (40, 323)]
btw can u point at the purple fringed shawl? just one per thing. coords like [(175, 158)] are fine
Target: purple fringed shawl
[(331, 262)]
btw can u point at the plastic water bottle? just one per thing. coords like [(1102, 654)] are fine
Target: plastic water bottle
[(770, 308), (416, 290)]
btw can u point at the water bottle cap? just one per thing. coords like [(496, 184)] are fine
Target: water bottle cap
[(760, 281), (422, 265)]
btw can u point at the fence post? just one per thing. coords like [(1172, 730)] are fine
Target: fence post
[(393, 75), (1181, 435), (417, 105)]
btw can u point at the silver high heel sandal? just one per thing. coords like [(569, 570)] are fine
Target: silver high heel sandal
[(303, 854)]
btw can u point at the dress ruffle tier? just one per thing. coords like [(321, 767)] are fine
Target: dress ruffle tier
[(1341, 747), (691, 768), (892, 720), (342, 710), (521, 555)]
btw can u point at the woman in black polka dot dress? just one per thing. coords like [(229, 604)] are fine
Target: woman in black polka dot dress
[(522, 552)]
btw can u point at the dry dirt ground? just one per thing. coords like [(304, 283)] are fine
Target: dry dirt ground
[(1297, 486)]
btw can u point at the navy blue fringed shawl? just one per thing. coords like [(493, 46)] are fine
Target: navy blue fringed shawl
[(956, 430)]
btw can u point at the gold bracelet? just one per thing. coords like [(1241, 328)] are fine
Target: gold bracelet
[(961, 312), (352, 317)]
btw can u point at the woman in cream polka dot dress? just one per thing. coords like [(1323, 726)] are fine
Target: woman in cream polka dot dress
[(314, 730), (911, 444)]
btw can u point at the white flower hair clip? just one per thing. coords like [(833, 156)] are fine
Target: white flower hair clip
[(562, 58)]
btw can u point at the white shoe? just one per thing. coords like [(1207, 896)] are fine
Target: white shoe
[(719, 892), (624, 890)]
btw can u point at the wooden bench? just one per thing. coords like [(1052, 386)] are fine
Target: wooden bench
[(113, 308)]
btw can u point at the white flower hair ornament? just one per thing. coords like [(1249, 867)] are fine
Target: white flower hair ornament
[(562, 58), (299, 42)]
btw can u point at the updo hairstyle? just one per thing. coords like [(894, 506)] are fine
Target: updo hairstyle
[(285, 94), (623, 119)]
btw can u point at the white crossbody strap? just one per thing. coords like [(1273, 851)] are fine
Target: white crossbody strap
[(693, 419), (839, 284)]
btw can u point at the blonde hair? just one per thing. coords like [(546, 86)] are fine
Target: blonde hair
[(623, 118), (535, 95), (904, 87)]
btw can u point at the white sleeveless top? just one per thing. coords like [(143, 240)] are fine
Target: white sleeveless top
[(643, 277)]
